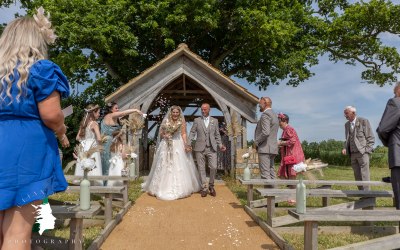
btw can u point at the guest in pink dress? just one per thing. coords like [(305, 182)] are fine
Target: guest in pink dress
[(289, 144)]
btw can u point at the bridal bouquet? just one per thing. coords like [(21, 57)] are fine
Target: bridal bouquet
[(171, 128)]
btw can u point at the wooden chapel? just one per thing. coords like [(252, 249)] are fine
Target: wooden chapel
[(183, 78)]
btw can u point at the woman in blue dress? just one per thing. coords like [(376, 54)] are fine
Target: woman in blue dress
[(109, 124), (31, 120)]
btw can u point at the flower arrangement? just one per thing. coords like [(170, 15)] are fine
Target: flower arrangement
[(133, 123), (300, 167), (84, 157), (246, 156)]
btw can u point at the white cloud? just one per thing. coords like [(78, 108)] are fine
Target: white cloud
[(315, 107)]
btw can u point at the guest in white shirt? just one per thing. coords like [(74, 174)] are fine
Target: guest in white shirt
[(359, 144)]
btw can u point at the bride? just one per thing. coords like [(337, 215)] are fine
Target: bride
[(173, 173)]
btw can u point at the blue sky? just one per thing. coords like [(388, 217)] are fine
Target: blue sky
[(315, 107)]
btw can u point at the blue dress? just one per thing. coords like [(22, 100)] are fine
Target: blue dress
[(30, 167), (107, 130)]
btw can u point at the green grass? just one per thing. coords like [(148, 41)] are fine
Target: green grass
[(325, 241), (90, 233)]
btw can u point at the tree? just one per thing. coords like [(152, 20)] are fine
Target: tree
[(106, 43)]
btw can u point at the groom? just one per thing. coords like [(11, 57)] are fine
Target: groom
[(208, 138)]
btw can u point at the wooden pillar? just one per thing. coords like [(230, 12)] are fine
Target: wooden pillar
[(239, 119), (310, 235), (145, 133), (76, 234), (145, 107), (228, 120), (244, 133)]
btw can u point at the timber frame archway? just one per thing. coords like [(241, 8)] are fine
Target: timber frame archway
[(185, 79)]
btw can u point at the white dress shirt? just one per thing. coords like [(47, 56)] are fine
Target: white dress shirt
[(206, 121)]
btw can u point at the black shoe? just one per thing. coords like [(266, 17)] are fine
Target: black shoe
[(212, 191), (203, 193), (386, 179)]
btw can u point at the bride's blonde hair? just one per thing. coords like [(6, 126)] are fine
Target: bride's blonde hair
[(22, 43)]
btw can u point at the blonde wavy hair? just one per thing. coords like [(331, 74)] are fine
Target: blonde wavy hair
[(89, 117), (22, 43)]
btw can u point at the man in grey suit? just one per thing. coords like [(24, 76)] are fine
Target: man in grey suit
[(265, 138), (359, 144), (208, 139), (389, 133)]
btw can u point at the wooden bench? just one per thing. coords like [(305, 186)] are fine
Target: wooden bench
[(125, 179), (108, 195), (382, 243), (271, 195), (75, 241), (311, 219), (324, 183)]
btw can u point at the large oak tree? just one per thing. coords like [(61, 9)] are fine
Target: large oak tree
[(105, 43)]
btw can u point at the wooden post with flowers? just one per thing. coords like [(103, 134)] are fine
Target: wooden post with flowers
[(132, 126), (234, 130)]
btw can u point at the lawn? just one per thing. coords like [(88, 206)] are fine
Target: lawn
[(325, 241), (92, 232)]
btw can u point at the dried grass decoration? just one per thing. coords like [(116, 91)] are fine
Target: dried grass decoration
[(84, 157), (234, 129), (133, 123)]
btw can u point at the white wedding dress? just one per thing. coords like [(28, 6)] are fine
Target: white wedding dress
[(90, 139), (173, 173)]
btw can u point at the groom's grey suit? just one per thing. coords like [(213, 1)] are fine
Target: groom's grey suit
[(207, 142)]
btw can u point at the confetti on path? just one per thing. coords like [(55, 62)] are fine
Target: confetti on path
[(192, 223)]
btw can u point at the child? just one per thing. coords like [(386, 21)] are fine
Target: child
[(89, 137), (118, 155)]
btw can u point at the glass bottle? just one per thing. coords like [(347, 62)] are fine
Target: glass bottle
[(301, 196), (84, 198)]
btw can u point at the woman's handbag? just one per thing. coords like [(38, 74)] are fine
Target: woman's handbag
[(289, 159)]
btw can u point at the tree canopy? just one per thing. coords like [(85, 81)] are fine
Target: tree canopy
[(106, 43)]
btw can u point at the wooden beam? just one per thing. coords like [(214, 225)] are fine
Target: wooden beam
[(184, 84), (185, 91)]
